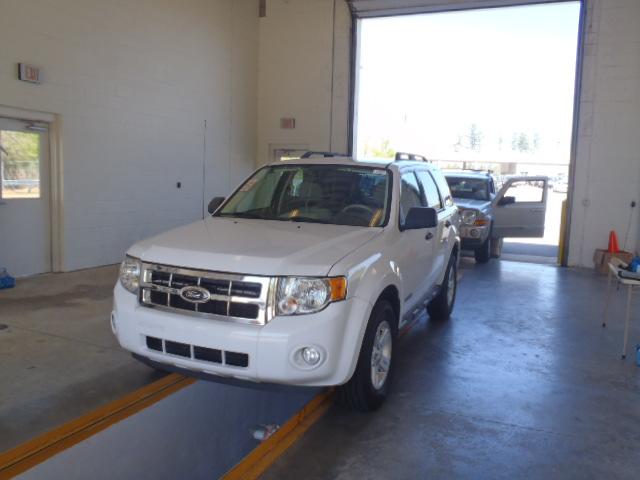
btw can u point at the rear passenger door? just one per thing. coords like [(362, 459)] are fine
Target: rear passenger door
[(415, 251), (450, 214), (439, 243)]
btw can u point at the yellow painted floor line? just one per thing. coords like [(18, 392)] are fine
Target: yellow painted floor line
[(37, 450), (263, 456)]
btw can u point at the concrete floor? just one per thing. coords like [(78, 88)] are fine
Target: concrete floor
[(58, 357), (529, 252), (522, 382)]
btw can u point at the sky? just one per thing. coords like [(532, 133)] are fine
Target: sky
[(425, 79)]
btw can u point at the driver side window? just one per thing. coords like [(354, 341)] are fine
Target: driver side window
[(409, 195), (524, 191)]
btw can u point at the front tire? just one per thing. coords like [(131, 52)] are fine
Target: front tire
[(441, 306), (482, 254), (369, 385)]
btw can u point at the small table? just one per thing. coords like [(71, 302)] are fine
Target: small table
[(615, 265)]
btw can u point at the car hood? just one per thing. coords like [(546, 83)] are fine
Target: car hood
[(474, 204), (254, 247)]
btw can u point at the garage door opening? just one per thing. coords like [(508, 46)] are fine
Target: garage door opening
[(479, 92)]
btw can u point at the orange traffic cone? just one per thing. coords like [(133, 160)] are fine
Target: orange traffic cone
[(613, 242)]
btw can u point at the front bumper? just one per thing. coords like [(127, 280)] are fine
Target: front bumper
[(272, 349), (473, 236)]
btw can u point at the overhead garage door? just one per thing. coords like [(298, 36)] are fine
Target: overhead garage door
[(378, 8)]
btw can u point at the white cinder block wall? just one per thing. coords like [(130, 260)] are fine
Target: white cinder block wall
[(133, 83), (304, 73), (607, 176)]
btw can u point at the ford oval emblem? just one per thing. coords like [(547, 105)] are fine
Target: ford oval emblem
[(195, 294)]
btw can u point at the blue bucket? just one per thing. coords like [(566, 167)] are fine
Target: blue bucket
[(6, 280)]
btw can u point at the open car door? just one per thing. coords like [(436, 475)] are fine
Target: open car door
[(519, 207)]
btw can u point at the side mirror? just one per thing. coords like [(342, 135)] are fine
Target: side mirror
[(214, 204), (506, 201), (420, 217)]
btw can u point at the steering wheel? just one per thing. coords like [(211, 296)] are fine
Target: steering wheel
[(357, 206)]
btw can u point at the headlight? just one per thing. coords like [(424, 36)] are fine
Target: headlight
[(300, 295), (474, 217), (469, 216), (130, 274)]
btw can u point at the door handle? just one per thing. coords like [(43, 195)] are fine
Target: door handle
[(428, 236)]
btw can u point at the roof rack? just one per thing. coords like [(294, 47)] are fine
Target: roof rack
[(311, 153), (410, 156), (479, 170)]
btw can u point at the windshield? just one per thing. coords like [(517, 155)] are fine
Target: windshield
[(469, 188), (336, 194)]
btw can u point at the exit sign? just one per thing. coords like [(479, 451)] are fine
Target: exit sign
[(28, 73)]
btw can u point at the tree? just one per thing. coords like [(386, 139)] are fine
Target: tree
[(470, 141), (523, 142), (384, 150), (475, 138), (20, 152)]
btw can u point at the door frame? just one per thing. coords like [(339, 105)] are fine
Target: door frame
[(565, 227), (56, 206)]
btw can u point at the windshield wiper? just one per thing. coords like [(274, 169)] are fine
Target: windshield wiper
[(306, 219), (243, 215)]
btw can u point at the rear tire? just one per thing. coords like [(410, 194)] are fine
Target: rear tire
[(369, 385), (496, 247), (441, 306)]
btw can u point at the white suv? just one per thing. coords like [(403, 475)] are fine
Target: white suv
[(303, 276)]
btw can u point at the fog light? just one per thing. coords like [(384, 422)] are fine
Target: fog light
[(475, 233), (113, 324), (310, 355)]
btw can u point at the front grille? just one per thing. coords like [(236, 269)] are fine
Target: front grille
[(207, 354), (236, 359), (175, 348), (211, 355), (154, 343), (239, 298)]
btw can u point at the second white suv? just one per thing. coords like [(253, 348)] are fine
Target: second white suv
[(303, 276)]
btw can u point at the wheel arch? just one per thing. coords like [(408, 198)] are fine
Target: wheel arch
[(392, 295), (456, 249)]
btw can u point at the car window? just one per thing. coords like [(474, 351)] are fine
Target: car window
[(335, 194), (524, 191), (443, 186), (257, 192), (469, 188), (409, 195), (430, 190)]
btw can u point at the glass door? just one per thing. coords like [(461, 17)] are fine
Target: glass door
[(25, 223)]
